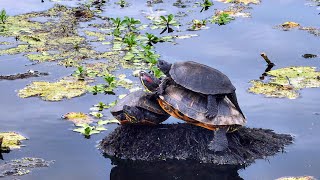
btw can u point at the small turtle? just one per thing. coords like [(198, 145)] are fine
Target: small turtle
[(201, 79), (137, 107), (191, 107)]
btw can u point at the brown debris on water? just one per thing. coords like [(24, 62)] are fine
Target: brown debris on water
[(188, 142)]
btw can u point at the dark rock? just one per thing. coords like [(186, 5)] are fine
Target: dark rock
[(188, 142), (23, 75)]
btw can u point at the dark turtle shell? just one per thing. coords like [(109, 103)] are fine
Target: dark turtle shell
[(153, 112), (192, 107), (201, 78)]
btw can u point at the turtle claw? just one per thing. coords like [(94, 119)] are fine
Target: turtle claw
[(211, 115)]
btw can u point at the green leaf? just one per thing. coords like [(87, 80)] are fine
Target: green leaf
[(111, 121), (93, 132), (163, 18), (100, 128), (170, 18)]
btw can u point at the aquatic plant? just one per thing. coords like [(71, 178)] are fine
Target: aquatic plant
[(198, 24), (117, 22), (206, 4), (86, 129), (101, 106), (152, 39), (110, 121), (130, 40), (222, 19), (131, 23), (148, 55), (96, 114), (100, 88), (3, 16), (122, 3), (156, 71), (109, 78), (167, 20), (80, 73)]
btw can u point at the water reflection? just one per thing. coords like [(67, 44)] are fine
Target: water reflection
[(188, 170)]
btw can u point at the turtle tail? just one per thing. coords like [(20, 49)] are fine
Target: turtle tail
[(233, 98)]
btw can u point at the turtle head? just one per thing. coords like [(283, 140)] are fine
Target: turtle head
[(149, 81), (164, 66), (133, 114)]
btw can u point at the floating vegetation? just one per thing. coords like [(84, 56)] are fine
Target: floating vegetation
[(88, 130), (221, 18), (198, 25), (298, 178), (16, 50), (293, 25), (96, 114), (286, 82), (108, 121), (245, 2), (23, 166), (205, 5), (123, 3), (99, 36), (289, 25), (10, 141), (55, 91), (78, 118), (57, 39)]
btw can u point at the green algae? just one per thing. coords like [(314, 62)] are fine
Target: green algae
[(99, 36), (286, 82), (22, 48), (23, 166), (10, 140), (60, 36), (54, 91), (78, 118), (5, 43)]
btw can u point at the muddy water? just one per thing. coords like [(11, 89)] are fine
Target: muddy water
[(234, 49)]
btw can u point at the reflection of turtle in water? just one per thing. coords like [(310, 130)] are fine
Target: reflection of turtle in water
[(137, 107), (192, 107), (201, 79)]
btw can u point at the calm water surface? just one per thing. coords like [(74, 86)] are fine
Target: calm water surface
[(234, 49)]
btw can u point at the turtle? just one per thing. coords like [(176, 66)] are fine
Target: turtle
[(138, 108), (201, 79), (191, 107)]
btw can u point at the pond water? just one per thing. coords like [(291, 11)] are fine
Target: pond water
[(234, 49)]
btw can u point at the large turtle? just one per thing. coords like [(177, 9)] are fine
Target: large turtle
[(137, 107), (201, 79), (192, 108)]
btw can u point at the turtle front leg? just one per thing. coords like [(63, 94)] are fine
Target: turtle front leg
[(219, 142), (212, 106), (162, 87)]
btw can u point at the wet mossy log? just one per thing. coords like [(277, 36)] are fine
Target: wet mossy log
[(188, 142)]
